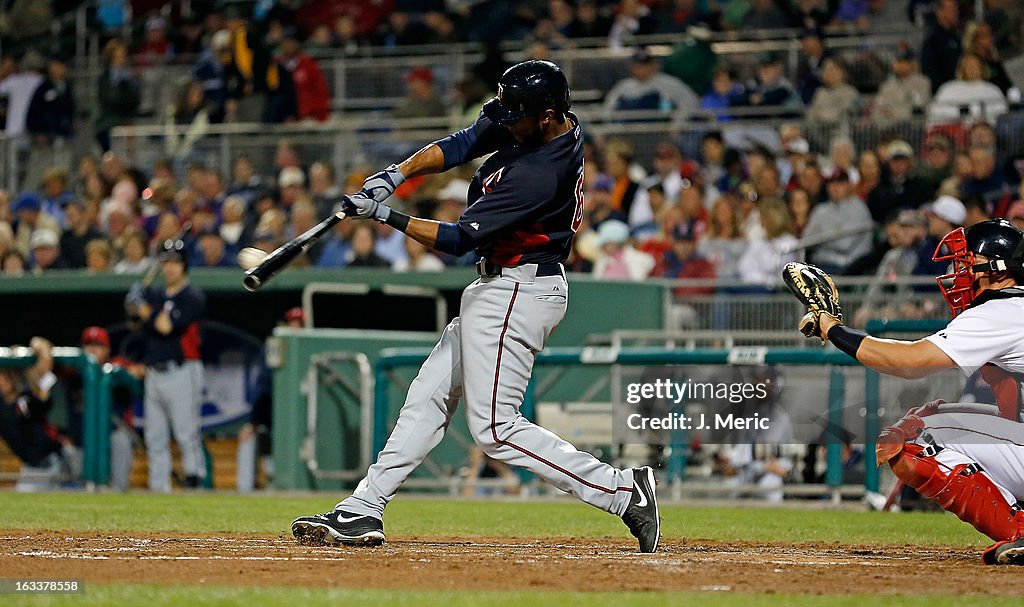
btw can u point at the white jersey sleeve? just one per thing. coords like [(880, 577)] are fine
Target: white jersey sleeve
[(990, 333)]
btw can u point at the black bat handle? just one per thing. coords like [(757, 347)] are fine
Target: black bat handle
[(258, 276)]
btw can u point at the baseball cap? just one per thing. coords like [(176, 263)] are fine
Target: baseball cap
[(899, 148), (948, 208), (642, 55), (420, 73), (457, 189), (612, 231), (797, 146), (838, 174), (27, 201), (43, 237), (95, 335), (911, 217), (683, 231), (294, 314), (290, 176)]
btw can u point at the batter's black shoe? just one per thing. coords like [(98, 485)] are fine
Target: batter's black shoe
[(1005, 553), (338, 527), (642, 516)]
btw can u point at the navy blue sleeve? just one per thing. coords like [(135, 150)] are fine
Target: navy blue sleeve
[(453, 240), (481, 137), (517, 195)]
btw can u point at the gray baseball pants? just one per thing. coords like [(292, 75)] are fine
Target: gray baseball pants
[(486, 356), (172, 401)]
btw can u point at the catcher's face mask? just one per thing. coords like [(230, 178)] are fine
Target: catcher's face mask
[(957, 286)]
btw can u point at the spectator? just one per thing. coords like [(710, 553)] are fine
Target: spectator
[(691, 204), (51, 113), (842, 212), (618, 156), (901, 187), (401, 29), (693, 60), (214, 70), (853, 12), (938, 161), (835, 100), (47, 456), (19, 88), (677, 16), (186, 122), (326, 193), (978, 41), (233, 227), (421, 100), (245, 182), (944, 215), (768, 182), (725, 93), (620, 260), (362, 253), (56, 193), (99, 256), (904, 94), (904, 234), (667, 162), (683, 261), (1016, 214), (772, 89), (77, 235), (13, 263), (45, 248), (799, 210), (133, 256), (632, 19), (842, 155), (648, 90), (213, 252), (812, 62), (418, 259), (29, 216), (987, 179), (291, 182), (311, 94), (870, 171), (813, 182), (337, 246), (978, 211), (940, 52), (119, 93), (712, 152), (969, 95), (470, 94), (762, 261), (590, 21), (648, 230), (345, 36), (963, 169), (723, 245), (764, 14)]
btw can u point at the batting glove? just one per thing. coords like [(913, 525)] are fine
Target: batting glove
[(359, 206), (380, 186)]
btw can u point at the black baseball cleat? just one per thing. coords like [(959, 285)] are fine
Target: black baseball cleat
[(1005, 553), (338, 527), (642, 514)]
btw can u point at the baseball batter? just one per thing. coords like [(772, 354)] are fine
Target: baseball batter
[(968, 458), (525, 204)]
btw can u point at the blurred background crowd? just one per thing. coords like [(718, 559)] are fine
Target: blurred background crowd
[(701, 199)]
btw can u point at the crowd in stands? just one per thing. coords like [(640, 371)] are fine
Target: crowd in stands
[(731, 212)]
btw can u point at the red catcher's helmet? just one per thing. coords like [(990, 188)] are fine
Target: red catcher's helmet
[(999, 241)]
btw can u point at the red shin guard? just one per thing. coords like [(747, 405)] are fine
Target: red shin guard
[(964, 491)]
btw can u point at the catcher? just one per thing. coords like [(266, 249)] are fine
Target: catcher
[(967, 458)]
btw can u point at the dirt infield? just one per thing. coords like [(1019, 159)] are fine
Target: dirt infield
[(499, 564)]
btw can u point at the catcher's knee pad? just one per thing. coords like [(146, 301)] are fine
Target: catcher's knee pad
[(964, 490), (893, 439)]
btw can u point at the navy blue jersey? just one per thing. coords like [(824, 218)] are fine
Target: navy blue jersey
[(525, 203), (186, 308)]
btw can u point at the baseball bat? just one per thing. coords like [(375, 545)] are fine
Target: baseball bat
[(259, 275)]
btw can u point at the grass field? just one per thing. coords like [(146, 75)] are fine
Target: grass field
[(235, 516)]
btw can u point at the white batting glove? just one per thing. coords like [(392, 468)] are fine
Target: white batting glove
[(380, 186)]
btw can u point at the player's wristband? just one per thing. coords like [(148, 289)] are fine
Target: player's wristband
[(395, 219), (846, 339)]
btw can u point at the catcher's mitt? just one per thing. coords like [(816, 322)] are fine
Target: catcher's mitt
[(815, 289)]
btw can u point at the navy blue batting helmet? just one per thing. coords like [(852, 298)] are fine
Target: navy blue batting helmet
[(527, 89)]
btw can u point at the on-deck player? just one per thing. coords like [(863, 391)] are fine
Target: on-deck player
[(968, 458), (525, 205)]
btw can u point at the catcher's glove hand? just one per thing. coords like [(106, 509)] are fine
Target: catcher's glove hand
[(815, 289)]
